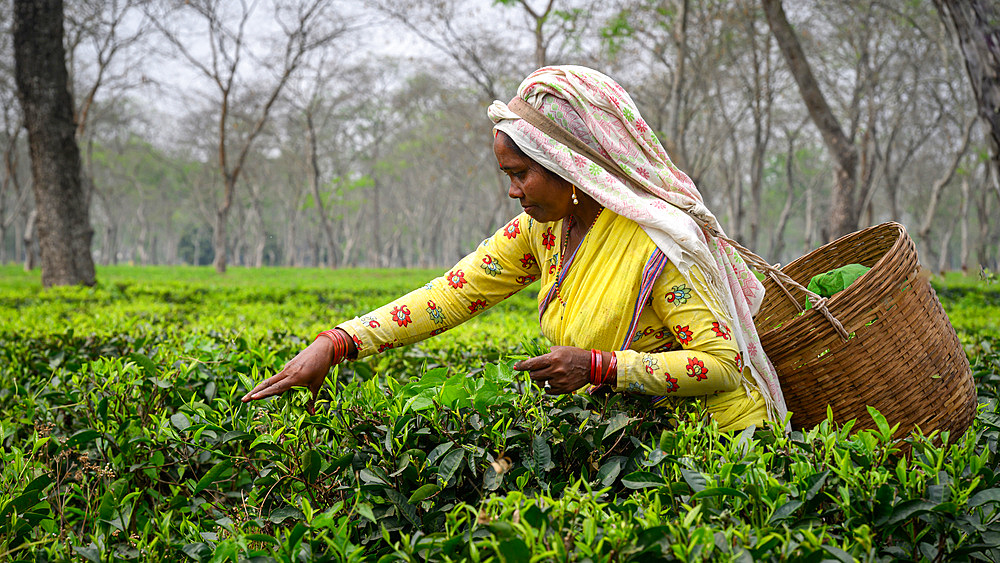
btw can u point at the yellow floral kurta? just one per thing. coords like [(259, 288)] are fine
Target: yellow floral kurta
[(677, 347)]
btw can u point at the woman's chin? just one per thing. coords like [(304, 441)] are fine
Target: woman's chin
[(539, 215)]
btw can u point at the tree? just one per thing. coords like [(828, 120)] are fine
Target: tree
[(304, 28), (844, 212), (13, 194), (97, 35), (976, 24), (42, 81)]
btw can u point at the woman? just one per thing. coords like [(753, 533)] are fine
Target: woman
[(638, 292)]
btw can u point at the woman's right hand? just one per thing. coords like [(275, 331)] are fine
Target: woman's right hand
[(307, 369)]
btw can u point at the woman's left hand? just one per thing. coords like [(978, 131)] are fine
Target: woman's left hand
[(565, 369)]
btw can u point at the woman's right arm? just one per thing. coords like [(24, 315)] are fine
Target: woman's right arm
[(307, 369), (499, 267)]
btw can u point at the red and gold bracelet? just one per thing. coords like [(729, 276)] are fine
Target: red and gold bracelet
[(340, 344), (596, 371), (598, 376), (612, 369)]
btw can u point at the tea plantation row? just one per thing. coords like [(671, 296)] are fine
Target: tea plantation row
[(123, 438)]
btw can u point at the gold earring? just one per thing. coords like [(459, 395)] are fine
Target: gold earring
[(575, 201)]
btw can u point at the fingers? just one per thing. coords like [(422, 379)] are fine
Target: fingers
[(558, 372), (534, 364), (270, 387), (252, 395), (541, 371)]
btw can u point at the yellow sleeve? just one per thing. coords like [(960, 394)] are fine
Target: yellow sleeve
[(708, 360), (501, 266)]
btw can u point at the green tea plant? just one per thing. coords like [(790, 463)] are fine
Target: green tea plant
[(123, 438)]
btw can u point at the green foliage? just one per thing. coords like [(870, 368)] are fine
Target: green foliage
[(123, 438), (616, 31)]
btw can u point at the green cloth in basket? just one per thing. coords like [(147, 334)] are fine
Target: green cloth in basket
[(830, 283)]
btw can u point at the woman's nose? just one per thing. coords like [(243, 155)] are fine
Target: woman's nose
[(514, 192)]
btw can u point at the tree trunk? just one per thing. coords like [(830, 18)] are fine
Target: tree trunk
[(942, 263), (964, 214), (844, 213), (923, 233), (984, 217), (3, 243), (143, 239), (64, 231), (778, 234), (977, 29), (809, 228), (219, 240), (29, 240), (314, 182)]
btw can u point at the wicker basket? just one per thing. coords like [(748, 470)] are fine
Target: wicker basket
[(903, 356)]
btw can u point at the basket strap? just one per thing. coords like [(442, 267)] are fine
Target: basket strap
[(528, 112), (761, 265), (784, 289)]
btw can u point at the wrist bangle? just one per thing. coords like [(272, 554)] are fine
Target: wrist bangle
[(340, 345), (596, 371), (612, 369)]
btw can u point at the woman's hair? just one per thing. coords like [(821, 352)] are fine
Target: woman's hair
[(510, 144)]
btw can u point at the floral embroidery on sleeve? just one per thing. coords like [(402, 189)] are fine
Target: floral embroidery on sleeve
[(491, 266), (401, 315), (650, 363), (671, 382), (684, 333), (512, 229), (641, 333), (456, 278), (502, 265), (696, 369), (435, 312), (679, 295), (739, 362), (721, 330)]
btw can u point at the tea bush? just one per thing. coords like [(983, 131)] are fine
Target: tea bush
[(123, 438)]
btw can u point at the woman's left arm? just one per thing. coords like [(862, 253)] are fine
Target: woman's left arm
[(708, 359)]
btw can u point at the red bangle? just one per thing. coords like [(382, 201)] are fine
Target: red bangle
[(340, 344), (596, 370), (612, 368)]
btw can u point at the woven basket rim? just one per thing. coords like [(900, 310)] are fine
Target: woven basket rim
[(854, 291)]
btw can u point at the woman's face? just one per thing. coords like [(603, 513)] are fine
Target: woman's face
[(543, 195)]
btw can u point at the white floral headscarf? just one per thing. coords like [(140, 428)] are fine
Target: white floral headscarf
[(658, 196)]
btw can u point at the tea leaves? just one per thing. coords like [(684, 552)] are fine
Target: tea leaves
[(123, 438)]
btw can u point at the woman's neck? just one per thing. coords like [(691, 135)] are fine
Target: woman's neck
[(584, 214)]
